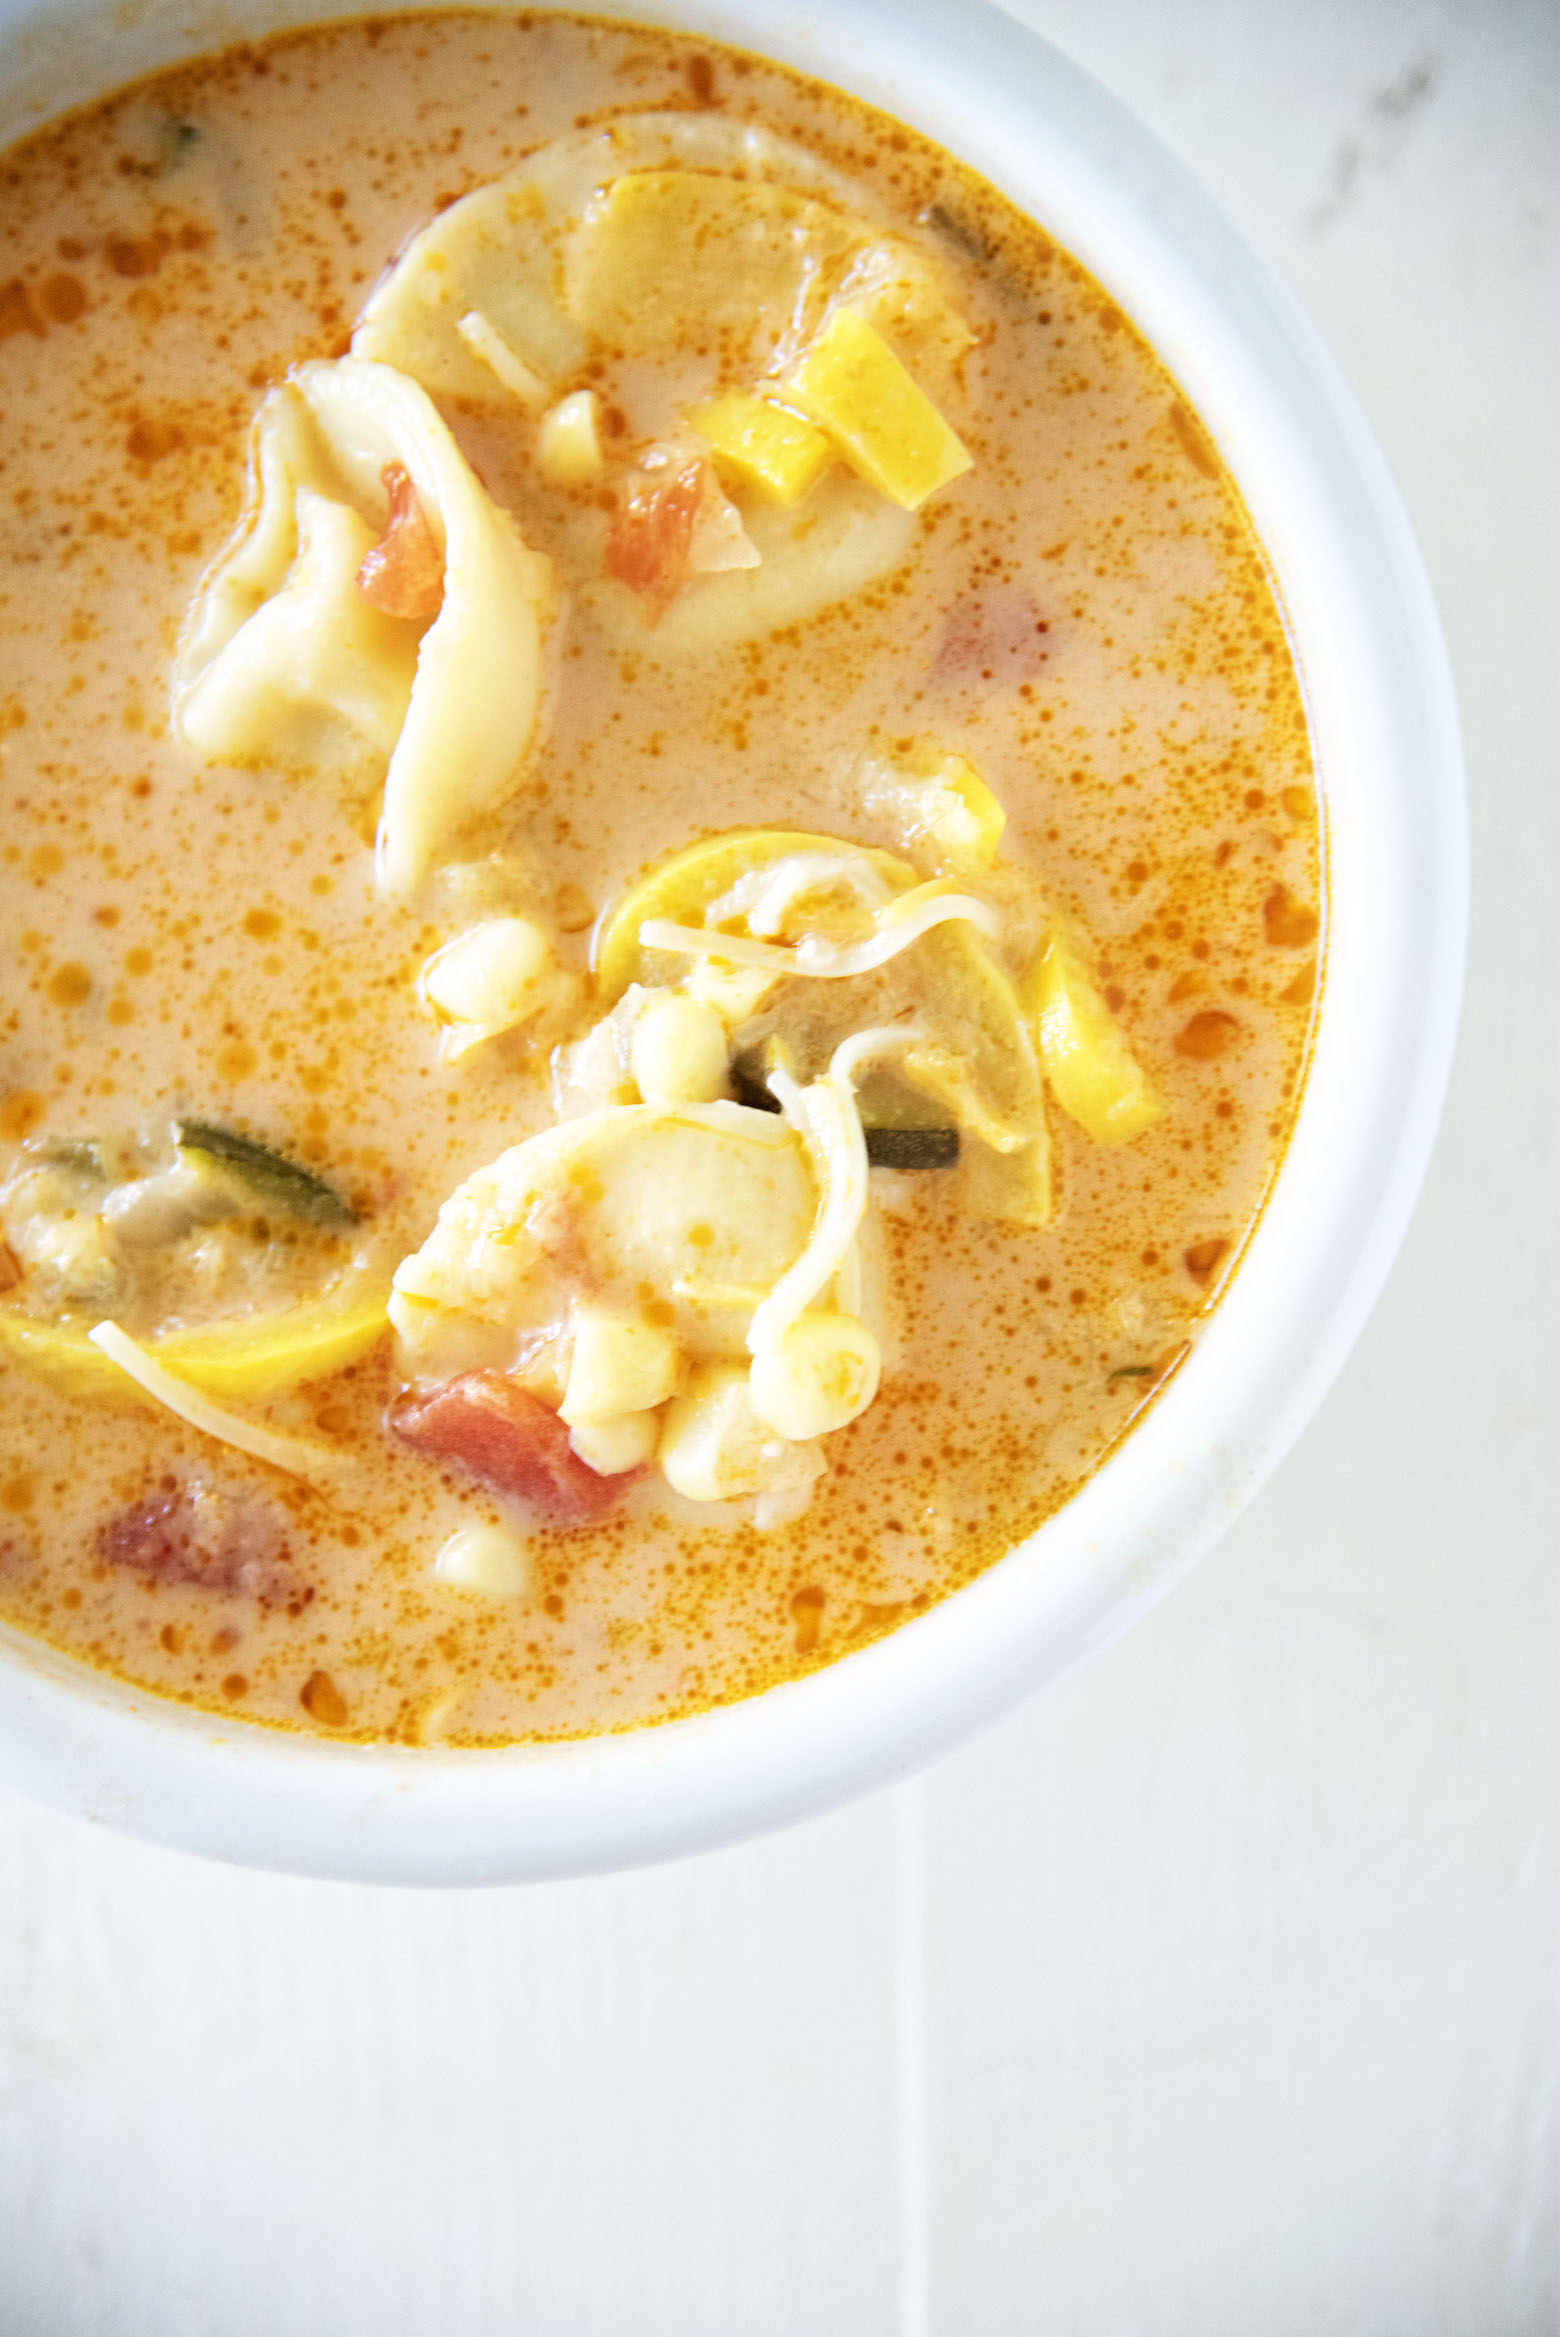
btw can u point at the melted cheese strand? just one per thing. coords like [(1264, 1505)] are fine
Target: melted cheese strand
[(904, 921), (764, 894), (825, 1116), (486, 342), (312, 1462), (847, 1283), (699, 941)]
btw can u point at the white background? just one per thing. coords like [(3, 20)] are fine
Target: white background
[(1217, 1994)]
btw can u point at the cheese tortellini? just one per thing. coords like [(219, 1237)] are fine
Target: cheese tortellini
[(524, 253), (692, 254), (285, 658), (619, 1267)]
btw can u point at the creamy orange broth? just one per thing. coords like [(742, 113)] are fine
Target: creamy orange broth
[(209, 942)]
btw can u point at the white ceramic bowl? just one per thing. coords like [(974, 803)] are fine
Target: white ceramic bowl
[(1385, 730)]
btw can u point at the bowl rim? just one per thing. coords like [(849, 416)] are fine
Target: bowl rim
[(1385, 730)]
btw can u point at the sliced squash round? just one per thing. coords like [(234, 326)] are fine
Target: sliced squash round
[(66, 1359), (251, 1359), (978, 1065), (270, 1353), (681, 887), (1094, 1074)]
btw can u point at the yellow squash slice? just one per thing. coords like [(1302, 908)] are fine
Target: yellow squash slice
[(761, 447), (1094, 1075), (956, 990), (249, 1360), (681, 887), (853, 386), (668, 257)]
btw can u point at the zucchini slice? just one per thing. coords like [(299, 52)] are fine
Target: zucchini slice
[(895, 1138), (912, 1148), (270, 1176), (247, 1359)]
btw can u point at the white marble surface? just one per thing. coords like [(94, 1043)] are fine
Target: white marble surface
[(1218, 1992)]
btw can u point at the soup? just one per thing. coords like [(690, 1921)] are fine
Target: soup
[(654, 981)]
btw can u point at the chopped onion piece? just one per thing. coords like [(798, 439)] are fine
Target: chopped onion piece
[(719, 542), (312, 1462)]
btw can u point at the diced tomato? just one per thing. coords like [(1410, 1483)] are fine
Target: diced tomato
[(404, 573), (649, 548), (207, 1536), (509, 1440), (995, 637)]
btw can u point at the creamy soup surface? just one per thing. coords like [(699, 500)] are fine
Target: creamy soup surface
[(979, 558)]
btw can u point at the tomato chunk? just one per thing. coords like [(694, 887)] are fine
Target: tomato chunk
[(994, 638), (508, 1439), (404, 573), (210, 1536), (651, 543)]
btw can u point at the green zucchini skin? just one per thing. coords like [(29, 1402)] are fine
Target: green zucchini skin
[(912, 1148), (890, 1148), (271, 1176)]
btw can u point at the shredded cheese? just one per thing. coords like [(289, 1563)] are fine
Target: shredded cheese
[(732, 949), (824, 1115), (486, 342), (765, 894), (312, 1462), (904, 921)]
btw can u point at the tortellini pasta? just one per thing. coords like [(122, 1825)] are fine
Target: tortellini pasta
[(620, 1267), (833, 544), (511, 252), (707, 1205), (285, 659), (706, 253)]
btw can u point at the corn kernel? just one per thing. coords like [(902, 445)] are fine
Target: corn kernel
[(714, 1447), (820, 1376), (678, 1051), (613, 1447), (487, 1559), (759, 446), (568, 443), (618, 1364), (1093, 1073), (853, 386), (489, 977)]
